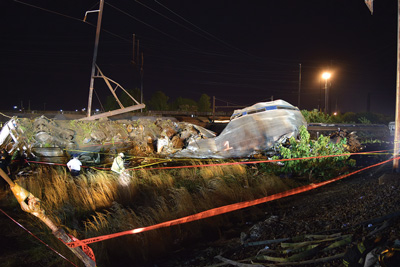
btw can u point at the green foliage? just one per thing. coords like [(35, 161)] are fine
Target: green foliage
[(314, 168), (159, 101), (184, 104), (349, 117), (374, 118), (204, 103), (316, 116), (111, 103), (126, 100), (364, 120)]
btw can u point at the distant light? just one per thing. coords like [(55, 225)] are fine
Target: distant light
[(97, 110), (83, 109), (76, 110), (61, 110), (15, 107), (326, 75), (334, 113)]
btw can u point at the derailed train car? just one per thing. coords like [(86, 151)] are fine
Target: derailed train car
[(251, 130)]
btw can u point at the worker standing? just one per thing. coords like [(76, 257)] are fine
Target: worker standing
[(118, 167), (118, 164), (74, 166)]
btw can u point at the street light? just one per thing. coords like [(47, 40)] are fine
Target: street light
[(326, 76)]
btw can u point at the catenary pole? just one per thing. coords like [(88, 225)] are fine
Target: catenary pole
[(397, 112), (141, 82), (96, 44), (298, 100), (397, 123)]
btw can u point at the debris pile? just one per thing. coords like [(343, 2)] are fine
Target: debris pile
[(352, 141), (42, 137), (251, 131)]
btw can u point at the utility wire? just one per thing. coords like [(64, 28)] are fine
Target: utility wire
[(73, 18), (150, 26), (47, 10), (162, 15), (225, 43)]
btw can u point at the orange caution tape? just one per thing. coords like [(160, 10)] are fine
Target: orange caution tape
[(220, 210), (219, 164), (260, 161), (86, 249)]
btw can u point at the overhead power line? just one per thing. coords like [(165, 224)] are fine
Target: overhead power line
[(50, 11), (166, 17), (148, 25), (209, 34), (73, 18)]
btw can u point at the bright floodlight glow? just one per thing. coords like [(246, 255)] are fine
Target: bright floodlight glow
[(326, 75)]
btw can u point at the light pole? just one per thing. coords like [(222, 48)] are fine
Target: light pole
[(326, 76)]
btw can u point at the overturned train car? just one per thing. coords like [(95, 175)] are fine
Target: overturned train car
[(251, 130)]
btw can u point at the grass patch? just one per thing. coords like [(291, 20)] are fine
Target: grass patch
[(101, 203)]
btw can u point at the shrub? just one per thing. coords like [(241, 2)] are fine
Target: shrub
[(316, 116), (315, 168)]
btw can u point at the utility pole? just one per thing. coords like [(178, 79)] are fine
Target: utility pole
[(133, 54), (298, 100), (96, 44), (213, 109), (397, 123), (141, 82), (326, 97)]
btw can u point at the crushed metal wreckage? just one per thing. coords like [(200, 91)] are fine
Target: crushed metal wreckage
[(250, 131), (96, 141)]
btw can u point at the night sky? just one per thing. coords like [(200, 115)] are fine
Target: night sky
[(241, 52)]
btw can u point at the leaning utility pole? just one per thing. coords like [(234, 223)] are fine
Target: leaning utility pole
[(96, 44), (397, 127), (31, 204)]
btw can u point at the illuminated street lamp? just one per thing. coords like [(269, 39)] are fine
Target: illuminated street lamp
[(326, 76)]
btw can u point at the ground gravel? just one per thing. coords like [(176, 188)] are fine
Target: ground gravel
[(358, 205)]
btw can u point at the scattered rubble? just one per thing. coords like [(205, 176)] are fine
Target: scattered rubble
[(94, 141), (352, 142)]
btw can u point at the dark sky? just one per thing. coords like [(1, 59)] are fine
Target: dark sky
[(241, 52)]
